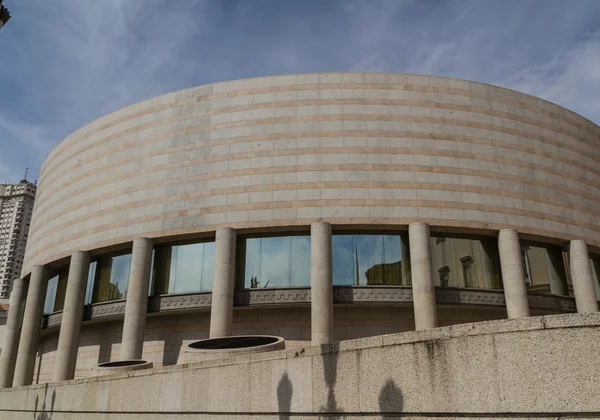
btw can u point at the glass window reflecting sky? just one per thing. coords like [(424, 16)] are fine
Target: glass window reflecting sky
[(277, 262), (51, 295), (184, 268), (361, 260)]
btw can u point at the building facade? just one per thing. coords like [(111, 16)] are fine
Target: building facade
[(316, 207), (16, 207)]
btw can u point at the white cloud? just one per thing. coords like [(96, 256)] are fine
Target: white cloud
[(571, 78)]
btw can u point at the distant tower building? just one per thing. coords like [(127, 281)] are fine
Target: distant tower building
[(16, 206)]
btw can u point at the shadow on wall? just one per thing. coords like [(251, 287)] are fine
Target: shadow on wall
[(44, 414), (284, 397), (391, 399)]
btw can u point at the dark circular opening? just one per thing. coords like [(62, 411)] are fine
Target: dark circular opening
[(122, 363), (233, 342)]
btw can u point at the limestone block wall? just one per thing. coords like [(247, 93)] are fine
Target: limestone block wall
[(538, 367), (366, 149)]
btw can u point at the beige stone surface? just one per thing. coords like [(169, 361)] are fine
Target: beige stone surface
[(484, 370), (345, 148), (165, 333)]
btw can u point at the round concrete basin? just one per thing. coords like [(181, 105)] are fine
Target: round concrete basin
[(224, 347)]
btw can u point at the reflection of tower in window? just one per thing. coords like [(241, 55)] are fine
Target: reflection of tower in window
[(467, 263), (526, 268), (444, 273)]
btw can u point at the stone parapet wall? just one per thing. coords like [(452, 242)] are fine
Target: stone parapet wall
[(165, 334), (360, 149), (539, 367)]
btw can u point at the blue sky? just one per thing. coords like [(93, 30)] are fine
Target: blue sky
[(64, 63)]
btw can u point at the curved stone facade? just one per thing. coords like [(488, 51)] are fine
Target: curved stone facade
[(356, 149), (486, 198)]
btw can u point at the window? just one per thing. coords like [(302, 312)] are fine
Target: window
[(545, 269), (444, 273), (111, 278), (279, 261), (56, 291), (472, 262), (89, 291), (361, 260), (466, 263), (595, 265), (183, 268)]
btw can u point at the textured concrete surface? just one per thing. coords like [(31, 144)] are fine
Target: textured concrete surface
[(344, 148), (136, 307), (12, 332), (221, 313), (70, 327), (30, 328), (513, 279), (581, 273), (537, 367), (167, 333), (321, 284), (422, 276)]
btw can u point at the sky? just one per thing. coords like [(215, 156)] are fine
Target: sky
[(64, 63)]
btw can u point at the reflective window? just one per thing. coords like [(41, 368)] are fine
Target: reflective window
[(183, 268), (282, 261), (545, 269), (89, 291), (471, 263), (360, 260), (55, 293), (595, 263), (111, 278), (50, 295)]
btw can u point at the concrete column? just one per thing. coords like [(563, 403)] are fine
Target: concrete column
[(321, 284), (136, 305), (12, 332), (221, 311), (32, 325), (422, 276), (513, 278), (581, 273), (68, 339)]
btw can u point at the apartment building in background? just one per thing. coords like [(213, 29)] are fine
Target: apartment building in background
[(16, 206)]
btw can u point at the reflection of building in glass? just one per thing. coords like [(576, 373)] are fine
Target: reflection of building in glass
[(469, 263), (390, 273), (545, 269)]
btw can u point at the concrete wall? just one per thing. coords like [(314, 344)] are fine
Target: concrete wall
[(346, 148), (539, 367), (166, 333)]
